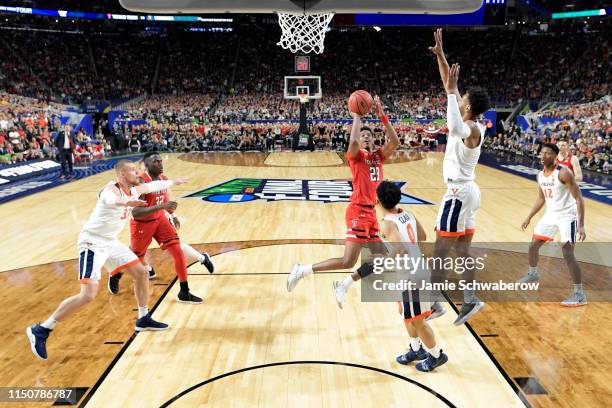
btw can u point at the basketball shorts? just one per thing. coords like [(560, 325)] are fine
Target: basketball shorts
[(411, 307), (361, 224), (551, 223), (457, 212), (142, 232), (113, 256)]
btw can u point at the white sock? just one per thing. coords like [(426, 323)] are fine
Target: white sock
[(415, 343), (577, 287), (143, 311), (49, 323), (533, 270), (347, 282), (306, 270), (149, 268), (191, 253), (434, 351)]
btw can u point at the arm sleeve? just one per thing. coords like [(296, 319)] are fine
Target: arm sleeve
[(158, 185), (456, 126)]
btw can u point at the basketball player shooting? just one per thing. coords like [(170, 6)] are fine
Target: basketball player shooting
[(456, 221), (98, 246), (152, 222), (557, 189), (361, 223)]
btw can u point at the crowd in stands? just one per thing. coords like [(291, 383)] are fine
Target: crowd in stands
[(28, 127), (586, 127)]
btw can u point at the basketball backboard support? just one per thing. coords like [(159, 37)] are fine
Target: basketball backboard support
[(299, 6), (296, 85)]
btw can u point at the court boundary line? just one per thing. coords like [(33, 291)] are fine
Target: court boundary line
[(322, 362), (488, 352)]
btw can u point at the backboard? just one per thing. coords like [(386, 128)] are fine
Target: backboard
[(299, 6), (295, 85)]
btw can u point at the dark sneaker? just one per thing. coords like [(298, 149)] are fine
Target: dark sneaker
[(113, 283), (146, 323), (431, 362), (38, 340), (437, 310), (411, 355), (468, 310), (188, 297), (152, 274), (208, 263)]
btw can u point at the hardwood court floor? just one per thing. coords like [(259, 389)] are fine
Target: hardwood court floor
[(564, 349)]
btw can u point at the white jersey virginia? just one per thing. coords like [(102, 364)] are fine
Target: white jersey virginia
[(558, 198), (459, 160), (106, 221)]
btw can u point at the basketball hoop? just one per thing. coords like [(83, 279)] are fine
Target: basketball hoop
[(303, 32)]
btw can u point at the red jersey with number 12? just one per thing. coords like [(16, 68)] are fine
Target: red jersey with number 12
[(152, 199), (367, 173)]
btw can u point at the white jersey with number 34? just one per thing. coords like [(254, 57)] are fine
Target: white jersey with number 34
[(106, 221)]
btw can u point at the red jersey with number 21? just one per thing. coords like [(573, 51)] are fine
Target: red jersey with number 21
[(152, 199), (367, 173)]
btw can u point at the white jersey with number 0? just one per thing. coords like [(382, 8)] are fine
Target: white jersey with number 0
[(558, 198), (459, 160), (106, 221), (407, 227)]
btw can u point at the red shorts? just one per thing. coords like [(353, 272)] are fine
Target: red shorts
[(361, 224), (144, 231)]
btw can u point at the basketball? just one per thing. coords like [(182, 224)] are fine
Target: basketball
[(360, 102)]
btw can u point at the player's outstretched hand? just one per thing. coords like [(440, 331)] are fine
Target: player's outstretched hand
[(437, 49), (180, 180), (136, 203), (453, 78), (354, 115), (525, 224), (170, 205), (378, 107), (581, 234)]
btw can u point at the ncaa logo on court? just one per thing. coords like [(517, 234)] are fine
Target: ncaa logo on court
[(241, 190)]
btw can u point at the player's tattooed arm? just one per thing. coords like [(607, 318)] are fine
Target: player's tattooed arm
[(567, 178), (537, 206)]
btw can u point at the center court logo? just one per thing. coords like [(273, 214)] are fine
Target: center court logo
[(242, 190)]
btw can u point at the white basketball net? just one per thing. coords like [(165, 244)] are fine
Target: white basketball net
[(303, 32)]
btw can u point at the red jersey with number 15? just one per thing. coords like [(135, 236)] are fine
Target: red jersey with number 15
[(367, 173), (152, 199)]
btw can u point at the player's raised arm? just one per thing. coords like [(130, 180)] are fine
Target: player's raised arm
[(393, 141), (443, 66), (454, 120), (567, 178), (537, 206), (159, 185), (353, 147), (112, 197)]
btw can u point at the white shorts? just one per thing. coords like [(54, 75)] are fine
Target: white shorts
[(551, 223), (457, 212), (113, 256)]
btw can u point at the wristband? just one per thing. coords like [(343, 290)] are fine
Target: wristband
[(384, 119)]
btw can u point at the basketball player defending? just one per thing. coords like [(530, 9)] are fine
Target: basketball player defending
[(564, 213), (456, 221), (400, 231), (361, 223), (98, 246), (152, 222), (568, 160)]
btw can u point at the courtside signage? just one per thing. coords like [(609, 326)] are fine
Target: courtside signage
[(241, 190)]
